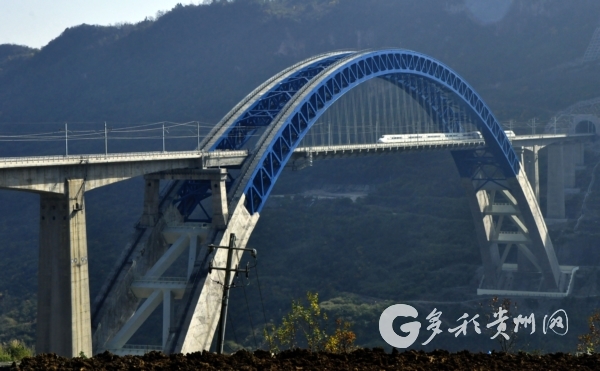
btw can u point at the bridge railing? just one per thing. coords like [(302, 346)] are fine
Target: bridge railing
[(113, 157), (376, 146)]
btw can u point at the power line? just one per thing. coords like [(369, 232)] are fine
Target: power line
[(232, 327), (260, 293), (250, 316)]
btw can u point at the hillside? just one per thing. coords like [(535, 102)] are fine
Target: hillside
[(195, 62), (409, 238)]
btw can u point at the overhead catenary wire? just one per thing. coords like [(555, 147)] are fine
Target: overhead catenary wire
[(261, 296), (99, 135), (320, 128), (250, 317), (362, 119), (230, 319)]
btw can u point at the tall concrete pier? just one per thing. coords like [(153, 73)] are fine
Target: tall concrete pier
[(563, 160), (63, 296)]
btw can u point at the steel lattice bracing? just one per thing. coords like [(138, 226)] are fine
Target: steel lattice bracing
[(251, 116)]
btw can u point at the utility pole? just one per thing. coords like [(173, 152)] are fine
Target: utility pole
[(66, 140), (105, 140), (533, 124), (163, 127), (198, 131), (226, 286)]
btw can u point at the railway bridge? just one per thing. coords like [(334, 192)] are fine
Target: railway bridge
[(335, 104)]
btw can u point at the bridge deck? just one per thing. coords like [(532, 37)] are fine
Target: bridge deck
[(382, 147), (37, 161), (235, 158), (354, 149)]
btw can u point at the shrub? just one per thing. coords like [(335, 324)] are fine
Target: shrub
[(304, 326), (15, 350), (588, 343)]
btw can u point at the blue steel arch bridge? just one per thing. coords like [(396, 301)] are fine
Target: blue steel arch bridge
[(337, 103)]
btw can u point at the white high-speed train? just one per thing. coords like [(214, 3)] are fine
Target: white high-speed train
[(434, 137)]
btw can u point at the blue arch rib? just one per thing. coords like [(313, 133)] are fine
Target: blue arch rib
[(266, 108), (257, 110), (300, 113)]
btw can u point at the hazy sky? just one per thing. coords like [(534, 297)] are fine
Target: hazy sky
[(35, 22)]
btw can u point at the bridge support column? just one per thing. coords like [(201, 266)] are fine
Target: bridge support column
[(198, 323), (219, 202), (569, 160), (579, 154), (529, 160), (63, 320), (533, 171), (151, 202), (555, 200), (485, 230)]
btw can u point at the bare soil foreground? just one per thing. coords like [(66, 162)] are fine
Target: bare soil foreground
[(362, 359)]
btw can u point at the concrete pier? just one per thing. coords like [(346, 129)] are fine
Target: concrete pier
[(570, 158), (151, 202), (63, 321)]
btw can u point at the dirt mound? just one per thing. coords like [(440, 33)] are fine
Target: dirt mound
[(362, 359)]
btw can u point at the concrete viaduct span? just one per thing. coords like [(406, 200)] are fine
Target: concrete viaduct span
[(63, 295), (230, 178)]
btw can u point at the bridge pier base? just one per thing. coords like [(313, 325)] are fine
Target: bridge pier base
[(63, 320)]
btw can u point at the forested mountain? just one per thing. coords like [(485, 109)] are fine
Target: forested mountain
[(195, 62), (409, 238)]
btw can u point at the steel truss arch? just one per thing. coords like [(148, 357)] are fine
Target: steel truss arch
[(286, 107), (296, 118)]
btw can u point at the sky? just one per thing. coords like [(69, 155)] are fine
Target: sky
[(36, 22)]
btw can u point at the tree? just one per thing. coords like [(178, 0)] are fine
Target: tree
[(342, 341), (502, 308), (15, 350), (304, 326), (588, 343)]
